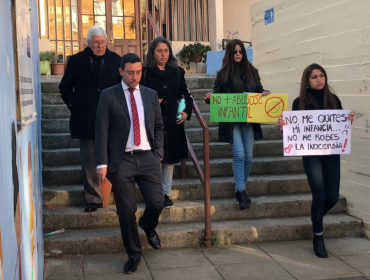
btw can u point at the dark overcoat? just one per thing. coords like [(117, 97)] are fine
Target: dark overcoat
[(225, 129), (173, 86), (81, 87)]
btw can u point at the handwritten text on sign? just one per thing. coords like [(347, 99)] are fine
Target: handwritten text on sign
[(251, 107), (317, 132)]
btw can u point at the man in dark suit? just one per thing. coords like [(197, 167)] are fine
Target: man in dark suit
[(129, 145), (87, 74)]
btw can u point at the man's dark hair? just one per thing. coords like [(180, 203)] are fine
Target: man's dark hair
[(129, 57)]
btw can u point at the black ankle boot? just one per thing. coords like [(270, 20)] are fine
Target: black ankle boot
[(319, 246), (242, 198)]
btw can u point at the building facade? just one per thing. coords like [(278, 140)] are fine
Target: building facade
[(65, 23)]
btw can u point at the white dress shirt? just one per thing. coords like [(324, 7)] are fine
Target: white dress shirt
[(144, 143)]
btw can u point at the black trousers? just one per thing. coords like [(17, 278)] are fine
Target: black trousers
[(88, 170), (323, 174), (145, 171)]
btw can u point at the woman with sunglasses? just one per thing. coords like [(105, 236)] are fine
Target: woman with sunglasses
[(238, 75), (323, 172)]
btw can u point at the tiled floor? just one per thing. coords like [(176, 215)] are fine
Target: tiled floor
[(349, 258)]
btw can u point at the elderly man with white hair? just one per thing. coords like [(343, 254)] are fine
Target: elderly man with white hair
[(88, 73)]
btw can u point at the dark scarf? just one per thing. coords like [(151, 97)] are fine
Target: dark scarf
[(97, 61), (158, 73), (318, 96)]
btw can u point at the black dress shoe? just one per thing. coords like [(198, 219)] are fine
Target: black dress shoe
[(131, 265), (243, 201), (152, 237), (319, 246), (91, 207)]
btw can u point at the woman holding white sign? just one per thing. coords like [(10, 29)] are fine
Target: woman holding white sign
[(323, 171), (238, 75)]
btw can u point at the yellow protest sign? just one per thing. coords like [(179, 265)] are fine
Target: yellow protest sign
[(251, 107)]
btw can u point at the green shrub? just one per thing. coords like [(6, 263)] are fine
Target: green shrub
[(47, 56), (196, 52)]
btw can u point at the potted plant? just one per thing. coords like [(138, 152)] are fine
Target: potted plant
[(46, 58), (57, 68), (196, 52)]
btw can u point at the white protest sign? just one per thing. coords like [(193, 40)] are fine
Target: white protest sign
[(316, 132)]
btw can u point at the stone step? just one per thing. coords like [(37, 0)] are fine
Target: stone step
[(188, 212), (71, 156), (55, 98), (56, 111), (195, 135), (108, 240), (198, 94), (60, 124), (55, 125), (71, 174), (202, 106), (192, 189), (51, 84), (51, 98)]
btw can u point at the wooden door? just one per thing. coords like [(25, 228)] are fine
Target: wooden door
[(123, 26), (118, 18)]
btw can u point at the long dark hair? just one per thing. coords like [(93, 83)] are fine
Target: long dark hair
[(228, 64), (150, 61), (306, 98)]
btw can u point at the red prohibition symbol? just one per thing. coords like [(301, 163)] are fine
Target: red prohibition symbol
[(274, 106)]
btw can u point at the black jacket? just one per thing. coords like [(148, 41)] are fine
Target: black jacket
[(174, 87), (81, 87), (225, 130)]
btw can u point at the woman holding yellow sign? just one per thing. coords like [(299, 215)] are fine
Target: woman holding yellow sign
[(323, 171), (237, 74)]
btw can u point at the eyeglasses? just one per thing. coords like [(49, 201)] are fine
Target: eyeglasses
[(236, 52), (96, 43)]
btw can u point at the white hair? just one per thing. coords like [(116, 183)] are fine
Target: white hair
[(95, 31)]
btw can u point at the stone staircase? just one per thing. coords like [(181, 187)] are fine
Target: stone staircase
[(281, 200)]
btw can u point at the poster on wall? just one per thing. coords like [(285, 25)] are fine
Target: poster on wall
[(316, 132), (25, 72), (251, 107)]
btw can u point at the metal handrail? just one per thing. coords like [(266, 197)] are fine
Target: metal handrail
[(155, 27), (203, 175)]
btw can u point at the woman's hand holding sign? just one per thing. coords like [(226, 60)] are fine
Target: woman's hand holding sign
[(351, 116), (208, 96)]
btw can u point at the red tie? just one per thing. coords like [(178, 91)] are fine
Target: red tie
[(135, 117)]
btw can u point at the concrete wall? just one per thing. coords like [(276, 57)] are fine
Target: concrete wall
[(21, 248), (335, 34), (237, 17)]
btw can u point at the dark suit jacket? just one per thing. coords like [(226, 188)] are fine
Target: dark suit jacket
[(81, 88), (113, 123)]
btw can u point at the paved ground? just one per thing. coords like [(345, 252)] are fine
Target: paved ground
[(349, 259)]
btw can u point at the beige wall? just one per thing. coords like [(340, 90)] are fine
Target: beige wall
[(237, 17), (335, 34)]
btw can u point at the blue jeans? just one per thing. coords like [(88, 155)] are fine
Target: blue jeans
[(242, 146), (323, 174)]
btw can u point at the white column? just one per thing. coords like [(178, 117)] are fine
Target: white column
[(216, 23)]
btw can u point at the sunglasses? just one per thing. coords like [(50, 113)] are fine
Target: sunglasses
[(236, 52)]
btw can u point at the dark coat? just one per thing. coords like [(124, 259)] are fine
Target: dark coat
[(173, 84), (225, 130), (113, 125), (81, 87)]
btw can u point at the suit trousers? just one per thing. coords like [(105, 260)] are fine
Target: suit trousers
[(88, 168), (145, 171)]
